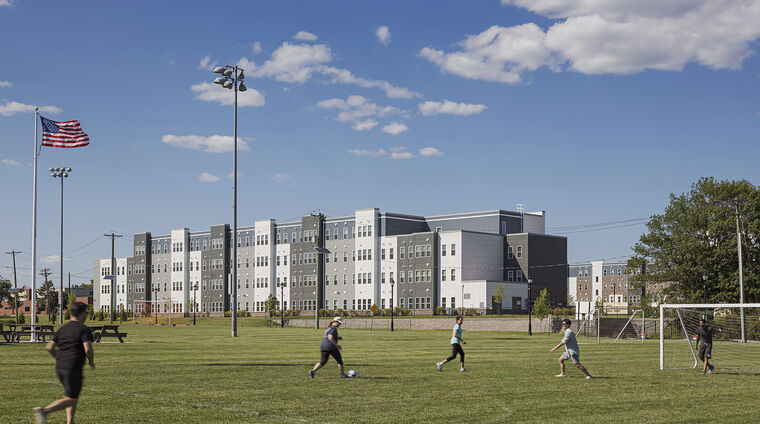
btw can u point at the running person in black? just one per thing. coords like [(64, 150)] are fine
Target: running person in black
[(456, 346), (71, 344), (330, 347), (705, 333)]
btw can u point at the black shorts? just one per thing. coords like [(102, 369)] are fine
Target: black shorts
[(72, 382), (705, 351), (335, 354)]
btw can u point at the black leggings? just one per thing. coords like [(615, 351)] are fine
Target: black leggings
[(456, 348), (326, 355)]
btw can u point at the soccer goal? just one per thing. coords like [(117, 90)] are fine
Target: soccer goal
[(736, 347), (157, 312), (599, 326)]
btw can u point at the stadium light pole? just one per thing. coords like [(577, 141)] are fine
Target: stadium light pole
[(393, 283), (232, 78), (61, 173), (530, 308)]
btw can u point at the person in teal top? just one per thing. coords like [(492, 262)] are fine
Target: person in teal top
[(456, 346)]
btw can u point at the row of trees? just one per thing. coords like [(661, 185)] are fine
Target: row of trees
[(697, 235)]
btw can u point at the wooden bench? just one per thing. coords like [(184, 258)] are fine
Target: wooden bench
[(100, 331)]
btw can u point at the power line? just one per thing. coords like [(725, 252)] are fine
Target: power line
[(601, 224)]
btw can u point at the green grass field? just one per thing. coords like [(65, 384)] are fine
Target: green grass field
[(201, 375)]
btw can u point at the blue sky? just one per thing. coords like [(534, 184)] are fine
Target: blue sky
[(592, 111)]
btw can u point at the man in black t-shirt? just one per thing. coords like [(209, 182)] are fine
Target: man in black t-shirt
[(705, 333), (71, 344)]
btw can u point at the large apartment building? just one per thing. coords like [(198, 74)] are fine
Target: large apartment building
[(369, 258), (593, 282)]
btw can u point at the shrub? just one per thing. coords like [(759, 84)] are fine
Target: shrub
[(324, 312), (21, 318), (67, 315), (406, 312), (440, 310), (227, 314), (90, 312), (114, 316), (397, 310), (123, 316), (242, 313)]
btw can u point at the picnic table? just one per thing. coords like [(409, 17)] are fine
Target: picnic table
[(43, 332), (6, 334), (100, 331)]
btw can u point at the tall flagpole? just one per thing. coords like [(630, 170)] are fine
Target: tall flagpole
[(34, 234)]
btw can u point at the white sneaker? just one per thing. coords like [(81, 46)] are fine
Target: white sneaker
[(40, 415), (588, 377), (462, 370), (560, 375), (439, 365)]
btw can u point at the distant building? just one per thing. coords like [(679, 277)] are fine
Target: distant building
[(608, 282), (454, 260)]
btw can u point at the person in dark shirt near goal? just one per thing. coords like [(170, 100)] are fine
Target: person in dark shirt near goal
[(70, 345), (705, 334)]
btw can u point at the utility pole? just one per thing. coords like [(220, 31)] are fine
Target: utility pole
[(741, 272), (45, 272), (113, 237), (15, 283)]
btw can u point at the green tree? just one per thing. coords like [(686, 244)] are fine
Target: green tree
[(542, 306), (90, 312), (47, 297), (270, 305), (696, 235), (5, 294), (498, 297)]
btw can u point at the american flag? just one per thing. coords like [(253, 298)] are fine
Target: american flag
[(63, 134)]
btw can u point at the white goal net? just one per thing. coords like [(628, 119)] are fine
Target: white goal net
[(608, 326), (735, 347)]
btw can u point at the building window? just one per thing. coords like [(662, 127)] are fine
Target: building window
[(390, 254), (519, 252), (453, 275), (443, 276), (443, 250), (510, 254), (453, 249)]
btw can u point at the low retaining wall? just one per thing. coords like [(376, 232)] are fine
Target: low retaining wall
[(406, 323)]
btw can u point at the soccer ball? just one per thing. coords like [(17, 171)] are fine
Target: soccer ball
[(352, 373)]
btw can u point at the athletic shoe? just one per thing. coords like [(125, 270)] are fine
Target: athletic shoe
[(703, 373), (40, 415), (311, 373), (711, 368), (560, 375), (439, 365), (588, 377), (462, 370), (344, 376), (709, 371)]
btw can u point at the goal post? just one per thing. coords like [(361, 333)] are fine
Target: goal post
[(736, 346), (629, 330)]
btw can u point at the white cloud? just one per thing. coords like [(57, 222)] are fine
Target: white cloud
[(400, 153), (603, 37), (383, 35), (11, 108), (293, 63), (10, 162), (359, 152), (205, 177), (395, 128), (345, 76), (280, 178), (430, 151), (53, 259), (206, 63), (365, 125), (451, 108), (216, 93), (5, 3), (298, 63), (305, 36), (359, 110), (256, 47), (211, 144), (5, 84)]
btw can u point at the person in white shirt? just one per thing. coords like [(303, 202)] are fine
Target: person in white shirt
[(572, 351)]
